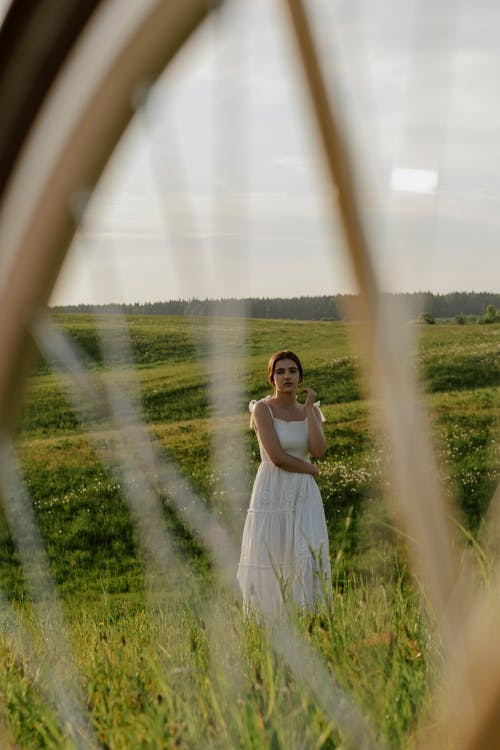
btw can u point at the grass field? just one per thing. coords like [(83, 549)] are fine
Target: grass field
[(161, 675)]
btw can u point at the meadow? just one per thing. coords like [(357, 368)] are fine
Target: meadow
[(160, 667)]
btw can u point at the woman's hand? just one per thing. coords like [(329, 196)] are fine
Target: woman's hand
[(311, 397), (317, 440)]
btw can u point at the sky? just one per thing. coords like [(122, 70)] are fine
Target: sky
[(218, 188)]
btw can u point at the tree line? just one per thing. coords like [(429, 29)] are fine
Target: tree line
[(336, 307)]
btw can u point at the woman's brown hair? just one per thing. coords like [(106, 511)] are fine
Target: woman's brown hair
[(283, 354)]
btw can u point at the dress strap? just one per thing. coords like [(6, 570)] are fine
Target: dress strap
[(253, 403), (317, 404)]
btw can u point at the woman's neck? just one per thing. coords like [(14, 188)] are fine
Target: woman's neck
[(286, 400)]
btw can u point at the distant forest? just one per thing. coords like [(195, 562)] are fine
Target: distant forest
[(305, 308)]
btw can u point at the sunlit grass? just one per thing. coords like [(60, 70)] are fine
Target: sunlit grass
[(150, 673), (153, 676)]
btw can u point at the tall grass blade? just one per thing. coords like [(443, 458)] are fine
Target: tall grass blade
[(64, 681)]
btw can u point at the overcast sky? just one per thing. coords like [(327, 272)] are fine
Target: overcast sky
[(218, 190)]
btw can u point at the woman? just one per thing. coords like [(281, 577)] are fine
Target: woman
[(284, 552)]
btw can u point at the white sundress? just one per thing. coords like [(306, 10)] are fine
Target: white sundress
[(284, 549)]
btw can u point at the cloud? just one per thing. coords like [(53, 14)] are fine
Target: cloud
[(225, 171)]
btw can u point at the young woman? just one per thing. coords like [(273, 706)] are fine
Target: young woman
[(284, 552)]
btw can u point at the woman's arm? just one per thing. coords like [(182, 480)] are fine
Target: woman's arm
[(317, 440), (271, 444)]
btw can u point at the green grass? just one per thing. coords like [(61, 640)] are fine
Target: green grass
[(157, 676), (178, 676)]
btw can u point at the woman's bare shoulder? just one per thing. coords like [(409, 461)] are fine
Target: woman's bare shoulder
[(263, 406), (260, 410)]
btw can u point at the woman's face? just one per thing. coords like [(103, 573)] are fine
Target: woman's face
[(286, 375)]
